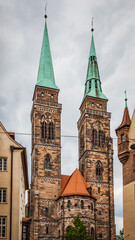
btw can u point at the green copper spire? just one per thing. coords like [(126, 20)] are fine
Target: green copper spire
[(93, 83), (125, 99), (45, 76)]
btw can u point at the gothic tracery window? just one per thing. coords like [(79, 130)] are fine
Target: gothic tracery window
[(82, 138), (99, 169), (51, 131), (94, 137), (44, 130), (47, 162)]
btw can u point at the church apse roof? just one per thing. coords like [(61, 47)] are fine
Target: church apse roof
[(74, 185)]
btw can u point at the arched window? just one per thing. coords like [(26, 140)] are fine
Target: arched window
[(69, 204), (92, 233), (59, 233), (47, 162), (82, 138), (99, 169), (44, 130), (51, 131), (94, 137), (101, 139), (82, 204), (46, 212)]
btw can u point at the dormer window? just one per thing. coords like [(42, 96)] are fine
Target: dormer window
[(95, 83), (122, 137)]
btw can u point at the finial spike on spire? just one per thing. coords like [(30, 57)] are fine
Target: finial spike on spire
[(92, 29), (45, 16), (125, 99)]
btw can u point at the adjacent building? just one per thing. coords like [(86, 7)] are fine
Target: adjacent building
[(56, 199), (126, 153), (13, 183)]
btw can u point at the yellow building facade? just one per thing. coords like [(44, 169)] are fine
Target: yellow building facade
[(13, 183)]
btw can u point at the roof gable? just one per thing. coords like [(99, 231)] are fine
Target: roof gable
[(76, 185)]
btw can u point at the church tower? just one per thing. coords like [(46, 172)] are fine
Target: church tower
[(96, 149), (46, 148)]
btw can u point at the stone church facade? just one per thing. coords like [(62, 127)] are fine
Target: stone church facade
[(55, 199)]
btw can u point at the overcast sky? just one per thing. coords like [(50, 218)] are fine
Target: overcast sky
[(69, 24)]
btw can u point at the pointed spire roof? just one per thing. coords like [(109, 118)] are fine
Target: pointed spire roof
[(93, 83), (76, 185), (45, 76), (126, 118)]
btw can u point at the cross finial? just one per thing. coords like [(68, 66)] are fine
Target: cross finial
[(92, 29), (45, 16), (125, 99)]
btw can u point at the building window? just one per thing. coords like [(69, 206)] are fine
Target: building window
[(94, 137), (95, 83), (47, 230), (2, 227), (82, 138), (92, 233), (100, 235), (98, 189), (82, 170), (59, 233), (122, 137), (82, 204), (3, 194), (46, 212), (69, 204), (99, 169), (89, 84), (3, 164), (44, 130), (90, 190), (47, 162), (91, 206), (51, 131)]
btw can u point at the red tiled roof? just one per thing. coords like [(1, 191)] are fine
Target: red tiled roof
[(126, 119), (64, 179), (74, 184)]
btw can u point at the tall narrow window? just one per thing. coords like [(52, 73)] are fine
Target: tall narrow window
[(99, 169), (82, 204), (89, 84), (101, 139), (47, 230), (122, 137), (92, 233), (95, 83), (47, 162), (44, 130), (82, 138), (46, 212), (3, 164), (94, 137), (69, 204), (51, 131), (90, 190), (3, 195), (2, 227)]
